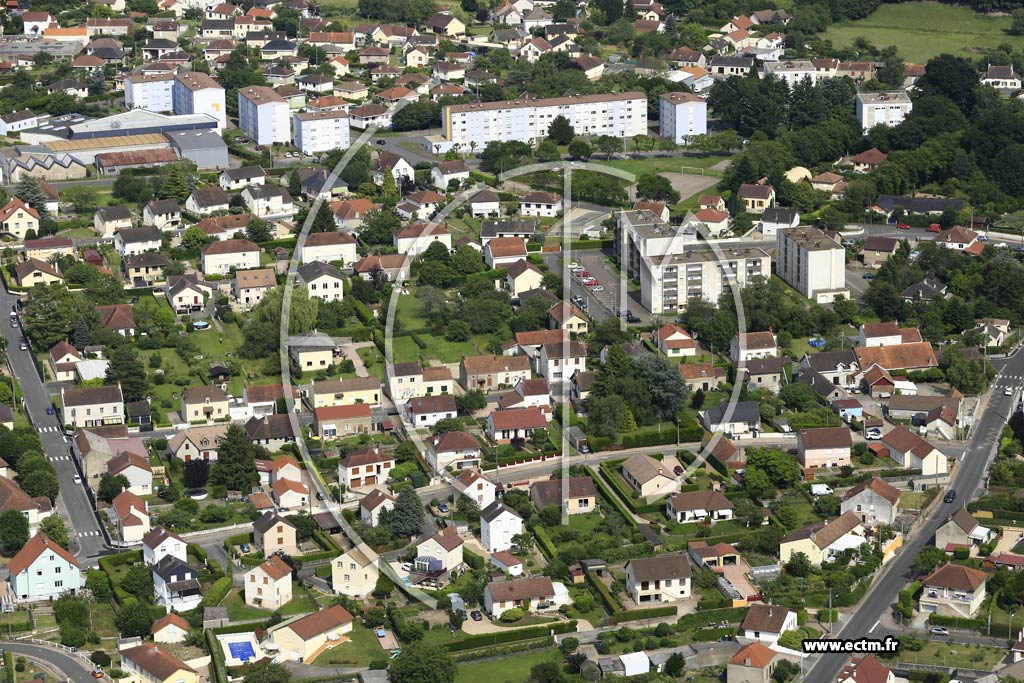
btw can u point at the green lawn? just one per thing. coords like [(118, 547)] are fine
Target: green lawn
[(362, 649), (956, 655), (506, 669), (922, 30), (238, 610), (659, 165)]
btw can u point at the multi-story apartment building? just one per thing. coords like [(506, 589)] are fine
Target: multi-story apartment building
[(152, 92), (883, 108), (618, 114), (320, 131), (672, 267), (198, 93), (682, 115), (812, 262), (263, 115)]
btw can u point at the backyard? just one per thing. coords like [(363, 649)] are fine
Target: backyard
[(922, 30), (360, 650), (506, 669)]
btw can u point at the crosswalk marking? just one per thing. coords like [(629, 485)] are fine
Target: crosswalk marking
[(59, 458), (51, 428), (88, 533)]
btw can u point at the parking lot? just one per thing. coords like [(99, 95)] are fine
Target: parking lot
[(604, 304)]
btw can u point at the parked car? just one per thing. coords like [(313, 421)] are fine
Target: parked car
[(869, 276), (678, 470), (597, 288), (950, 496), (940, 631), (76, 479), (407, 566), (97, 673), (902, 226), (245, 548), (934, 227), (476, 615), (1008, 391), (23, 346), (589, 281), (49, 410), (873, 433), (443, 507)]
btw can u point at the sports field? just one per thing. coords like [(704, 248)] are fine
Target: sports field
[(924, 29)]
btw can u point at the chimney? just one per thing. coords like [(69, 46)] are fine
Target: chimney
[(746, 661)]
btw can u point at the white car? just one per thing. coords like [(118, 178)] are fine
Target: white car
[(407, 566), (598, 288), (574, 266), (1008, 391), (873, 434), (77, 479)]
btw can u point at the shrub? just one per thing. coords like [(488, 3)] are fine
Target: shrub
[(100, 658), (511, 615)]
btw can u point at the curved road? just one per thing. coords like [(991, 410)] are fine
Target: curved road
[(73, 668)]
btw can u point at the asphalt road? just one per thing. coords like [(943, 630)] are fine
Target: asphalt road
[(72, 667), (864, 622), (73, 501)]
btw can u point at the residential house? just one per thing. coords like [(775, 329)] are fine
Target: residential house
[(953, 590), (130, 517), (119, 318), (63, 358), (822, 541), (111, 219), (163, 214), (961, 530), (648, 476), (865, 669), (270, 431), (204, 404), (397, 166), (748, 345), (268, 201), (752, 663), (533, 594), (824, 447), (504, 426), (475, 486), (765, 373), (273, 533), (698, 506), (500, 252), (303, 638), (197, 443), (522, 276), (457, 450), (365, 468), (702, 376), (742, 418), (144, 270), (575, 495), (250, 286), (875, 502), (415, 239), (756, 198), (135, 241), (372, 504), (488, 372), (540, 205), (912, 452), (149, 663), (565, 316), (170, 629), (269, 585), (322, 280), (43, 570), (498, 525), (877, 249), (427, 411), (559, 360), (160, 543), (176, 584), (17, 218), (35, 272), (240, 178), (662, 578), (354, 573), (224, 256), (443, 173), (765, 623), (92, 406), (440, 552), (136, 469), (674, 341)]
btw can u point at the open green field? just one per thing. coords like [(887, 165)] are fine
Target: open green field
[(362, 649), (922, 30), (669, 165), (507, 669)]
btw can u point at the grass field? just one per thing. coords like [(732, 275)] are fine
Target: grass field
[(671, 165), (924, 29), (362, 649), (507, 669)]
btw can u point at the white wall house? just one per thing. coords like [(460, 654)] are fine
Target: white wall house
[(263, 115), (681, 116), (498, 524), (320, 131)]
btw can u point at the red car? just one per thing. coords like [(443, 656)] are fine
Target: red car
[(585, 273), (902, 226), (934, 227)]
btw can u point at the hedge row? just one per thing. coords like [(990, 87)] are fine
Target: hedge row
[(217, 592), (688, 433), (9, 666), (703, 618), (641, 614), (610, 497), (610, 603), (544, 542), (241, 628), (980, 625), (509, 636)]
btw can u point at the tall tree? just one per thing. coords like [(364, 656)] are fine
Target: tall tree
[(324, 219), (407, 516), (236, 461), (28, 191), (125, 367), (423, 663), (54, 529), (561, 131), (13, 531)]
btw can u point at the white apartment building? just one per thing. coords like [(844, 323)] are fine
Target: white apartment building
[(618, 114), (263, 115), (812, 262), (682, 115), (320, 131), (152, 92), (792, 71), (883, 108), (199, 93), (672, 267)]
